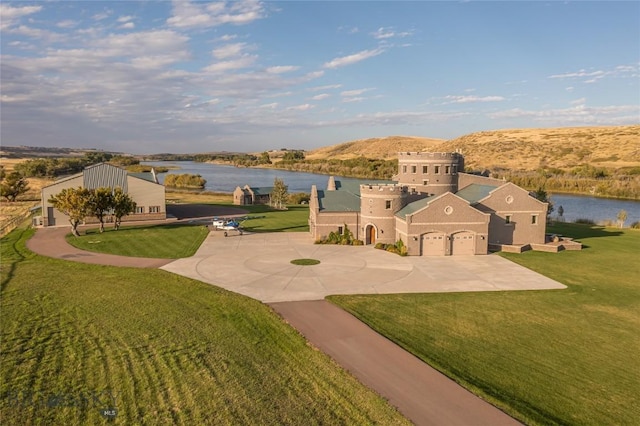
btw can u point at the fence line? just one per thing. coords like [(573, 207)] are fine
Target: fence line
[(13, 223)]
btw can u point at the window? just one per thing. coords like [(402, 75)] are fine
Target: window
[(414, 169), (404, 169), (339, 230), (437, 170), (154, 209), (425, 169), (447, 170), (507, 220), (534, 219), (139, 209), (388, 204)]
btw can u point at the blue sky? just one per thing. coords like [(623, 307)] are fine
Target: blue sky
[(150, 77)]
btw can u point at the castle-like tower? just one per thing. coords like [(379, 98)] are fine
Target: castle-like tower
[(431, 173), (378, 206)]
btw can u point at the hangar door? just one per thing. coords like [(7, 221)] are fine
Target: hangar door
[(463, 243), (433, 244)]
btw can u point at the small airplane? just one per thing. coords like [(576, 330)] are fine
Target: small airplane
[(227, 225)]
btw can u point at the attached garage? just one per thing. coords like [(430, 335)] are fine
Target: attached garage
[(433, 244), (463, 243)]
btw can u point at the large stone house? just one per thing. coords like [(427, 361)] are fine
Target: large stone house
[(143, 188), (431, 206)]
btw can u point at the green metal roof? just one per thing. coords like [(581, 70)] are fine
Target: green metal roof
[(262, 190), (475, 192), (339, 201), (414, 207)]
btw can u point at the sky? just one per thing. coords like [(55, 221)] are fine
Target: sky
[(147, 77)]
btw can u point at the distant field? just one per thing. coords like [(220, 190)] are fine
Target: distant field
[(545, 357), (160, 349)]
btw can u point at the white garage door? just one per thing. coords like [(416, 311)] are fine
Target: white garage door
[(463, 243), (433, 244)]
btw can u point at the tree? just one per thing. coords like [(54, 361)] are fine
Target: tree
[(622, 217), (541, 195), (75, 203), (279, 193), (122, 205), (13, 186), (101, 204), (264, 158)]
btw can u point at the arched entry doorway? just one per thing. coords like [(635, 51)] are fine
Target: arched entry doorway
[(370, 233)]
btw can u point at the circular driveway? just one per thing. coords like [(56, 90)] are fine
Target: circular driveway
[(259, 266)]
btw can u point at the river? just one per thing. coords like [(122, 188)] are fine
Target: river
[(223, 178)]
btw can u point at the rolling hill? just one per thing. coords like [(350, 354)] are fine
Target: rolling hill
[(516, 149)]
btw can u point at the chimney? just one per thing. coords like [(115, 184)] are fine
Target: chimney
[(331, 186)]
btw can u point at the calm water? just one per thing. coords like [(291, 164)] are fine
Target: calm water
[(225, 179)]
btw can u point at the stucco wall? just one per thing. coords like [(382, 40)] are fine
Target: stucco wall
[(434, 218), (515, 202)]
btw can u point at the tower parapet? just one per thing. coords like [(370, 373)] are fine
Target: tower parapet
[(433, 173)]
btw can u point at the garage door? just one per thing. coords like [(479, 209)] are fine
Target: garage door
[(433, 244), (463, 243)]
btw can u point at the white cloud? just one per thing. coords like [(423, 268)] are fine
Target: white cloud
[(67, 23), (187, 14), (272, 105), (127, 26), (590, 76), (102, 15), (452, 99), (11, 15), (282, 69), (581, 101), (352, 59), (229, 50), (303, 107), (320, 97), (123, 19), (578, 113), (326, 87), (234, 64), (354, 99), (349, 93), (384, 33)]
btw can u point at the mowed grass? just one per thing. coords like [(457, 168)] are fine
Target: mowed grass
[(294, 219), (160, 349), (159, 241), (546, 357)]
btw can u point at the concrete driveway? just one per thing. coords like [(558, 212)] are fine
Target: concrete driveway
[(258, 266)]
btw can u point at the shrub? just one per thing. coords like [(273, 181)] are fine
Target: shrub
[(584, 221), (361, 243), (635, 225), (381, 246)]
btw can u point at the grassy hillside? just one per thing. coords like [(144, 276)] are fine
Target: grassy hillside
[(515, 149), (563, 148), (379, 148)]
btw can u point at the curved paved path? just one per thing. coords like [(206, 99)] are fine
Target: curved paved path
[(50, 242)]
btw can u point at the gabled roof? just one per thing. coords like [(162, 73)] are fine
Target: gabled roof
[(262, 190), (475, 192), (144, 176), (411, 208)]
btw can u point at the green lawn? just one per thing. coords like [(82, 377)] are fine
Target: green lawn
[(160, 349), (159, 241), (294, 219), (546, 357)]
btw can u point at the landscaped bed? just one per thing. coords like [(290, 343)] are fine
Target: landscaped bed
[(545, 357), (151, 347)]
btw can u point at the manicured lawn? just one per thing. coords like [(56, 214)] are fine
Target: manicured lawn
[(160, 241), (160, 349), (545, 357), (294, 219)]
